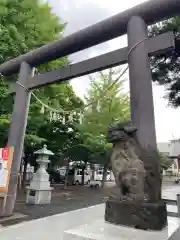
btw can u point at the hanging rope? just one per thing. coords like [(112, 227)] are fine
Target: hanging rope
[(84, 107)]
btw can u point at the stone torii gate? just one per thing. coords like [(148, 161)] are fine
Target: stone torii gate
[(133, 22)]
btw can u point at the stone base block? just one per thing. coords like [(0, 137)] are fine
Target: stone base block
[(140, 215), (38, 196), (101, 230)]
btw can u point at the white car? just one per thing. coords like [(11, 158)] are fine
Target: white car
[(75, 177), (95, 183), (78, 177), (99, 175)]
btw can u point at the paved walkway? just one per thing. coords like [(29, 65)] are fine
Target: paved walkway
[(63, 200), (72, 198), (82, 224), (52, 227), (66, 221), (170, 192)]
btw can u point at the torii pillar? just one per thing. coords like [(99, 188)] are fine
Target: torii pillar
[(17, 133), (141, 95), (150, 212), (142, 106)]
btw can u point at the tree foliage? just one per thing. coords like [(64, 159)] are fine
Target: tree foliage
[(165, 68), (110, 102), (29, 24), (107, 107), (26, 25), (165, 161)]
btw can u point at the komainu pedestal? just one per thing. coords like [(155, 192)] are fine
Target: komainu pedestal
[(137, 202), (139, 215)]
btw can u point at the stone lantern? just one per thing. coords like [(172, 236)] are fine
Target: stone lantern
[(39, 191)]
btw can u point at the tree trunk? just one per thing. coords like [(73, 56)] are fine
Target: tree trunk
[(66, 176), (20, 177), (93, 172), (83, 172), (24, 172), (104, 175)]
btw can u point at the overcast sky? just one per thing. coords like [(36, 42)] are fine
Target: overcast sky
[(82, 13)]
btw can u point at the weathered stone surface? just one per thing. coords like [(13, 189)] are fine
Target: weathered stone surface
[(127, 167), (39, 191), (137, 214), (136, 170), (137, 201)]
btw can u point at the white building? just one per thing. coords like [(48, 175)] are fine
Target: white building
[(172, 149)]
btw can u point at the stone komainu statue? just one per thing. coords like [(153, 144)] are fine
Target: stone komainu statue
[(138, 202), (136, 172)]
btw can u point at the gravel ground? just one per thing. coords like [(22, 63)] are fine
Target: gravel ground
[(63, 200)]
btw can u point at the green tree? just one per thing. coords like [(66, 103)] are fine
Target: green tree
[(26, 25), (108, 103), (165, 161), (102, 154), (4, 126), (165, 68)]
